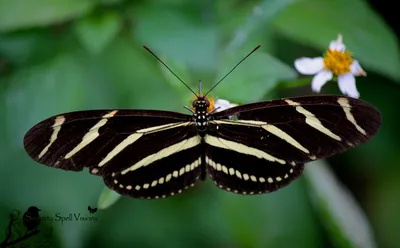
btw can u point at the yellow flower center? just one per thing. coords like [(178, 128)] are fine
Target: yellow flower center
[(211, 100), (337, 62)]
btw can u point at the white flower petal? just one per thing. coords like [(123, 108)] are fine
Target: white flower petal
[(356, 69), (334, 45), (320, 79), (337, 44), (309, 66), (222, 104), (347, 85)]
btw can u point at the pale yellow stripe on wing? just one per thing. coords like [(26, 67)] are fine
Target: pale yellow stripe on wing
[(268, 127), (91, 135), (241, 122), (126, 142), (56, 129), (168, 151), (135, 136), (163, 127), (286, 137), (313, 121), (240, 148), (344, 102)]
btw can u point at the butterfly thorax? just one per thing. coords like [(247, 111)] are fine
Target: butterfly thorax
[(201, 115)]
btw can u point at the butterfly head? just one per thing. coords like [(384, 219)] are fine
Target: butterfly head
[(201, 104)]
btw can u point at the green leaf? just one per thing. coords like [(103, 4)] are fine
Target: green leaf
[(62, 84), (137, 78), (295, 83), (270, 220), (180, 70), (344, 219), (107, 198), (17, 14), (260, 16), (30, 47), (96, 32), (256, 76), (111, 2), (177, 35), (316, 23)]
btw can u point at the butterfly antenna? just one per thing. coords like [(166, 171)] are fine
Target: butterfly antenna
[(200, 89), (148, 49), (215, 85)]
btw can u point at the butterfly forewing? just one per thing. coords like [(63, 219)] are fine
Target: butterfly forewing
[(75, 140), (267, 146)]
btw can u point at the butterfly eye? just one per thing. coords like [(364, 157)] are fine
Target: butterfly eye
[(194, 103)]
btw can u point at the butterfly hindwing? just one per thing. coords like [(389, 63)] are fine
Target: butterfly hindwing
[(167, 172), (244, 169)]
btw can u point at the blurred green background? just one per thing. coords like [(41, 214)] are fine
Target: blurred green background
[(65, 55)]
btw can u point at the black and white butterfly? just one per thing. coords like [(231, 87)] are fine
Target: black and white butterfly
[(249, 149)]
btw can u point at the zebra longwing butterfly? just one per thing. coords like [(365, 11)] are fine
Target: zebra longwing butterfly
[(157, 154)]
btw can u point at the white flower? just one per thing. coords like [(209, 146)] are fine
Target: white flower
[(337, 61), (221, 105)]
